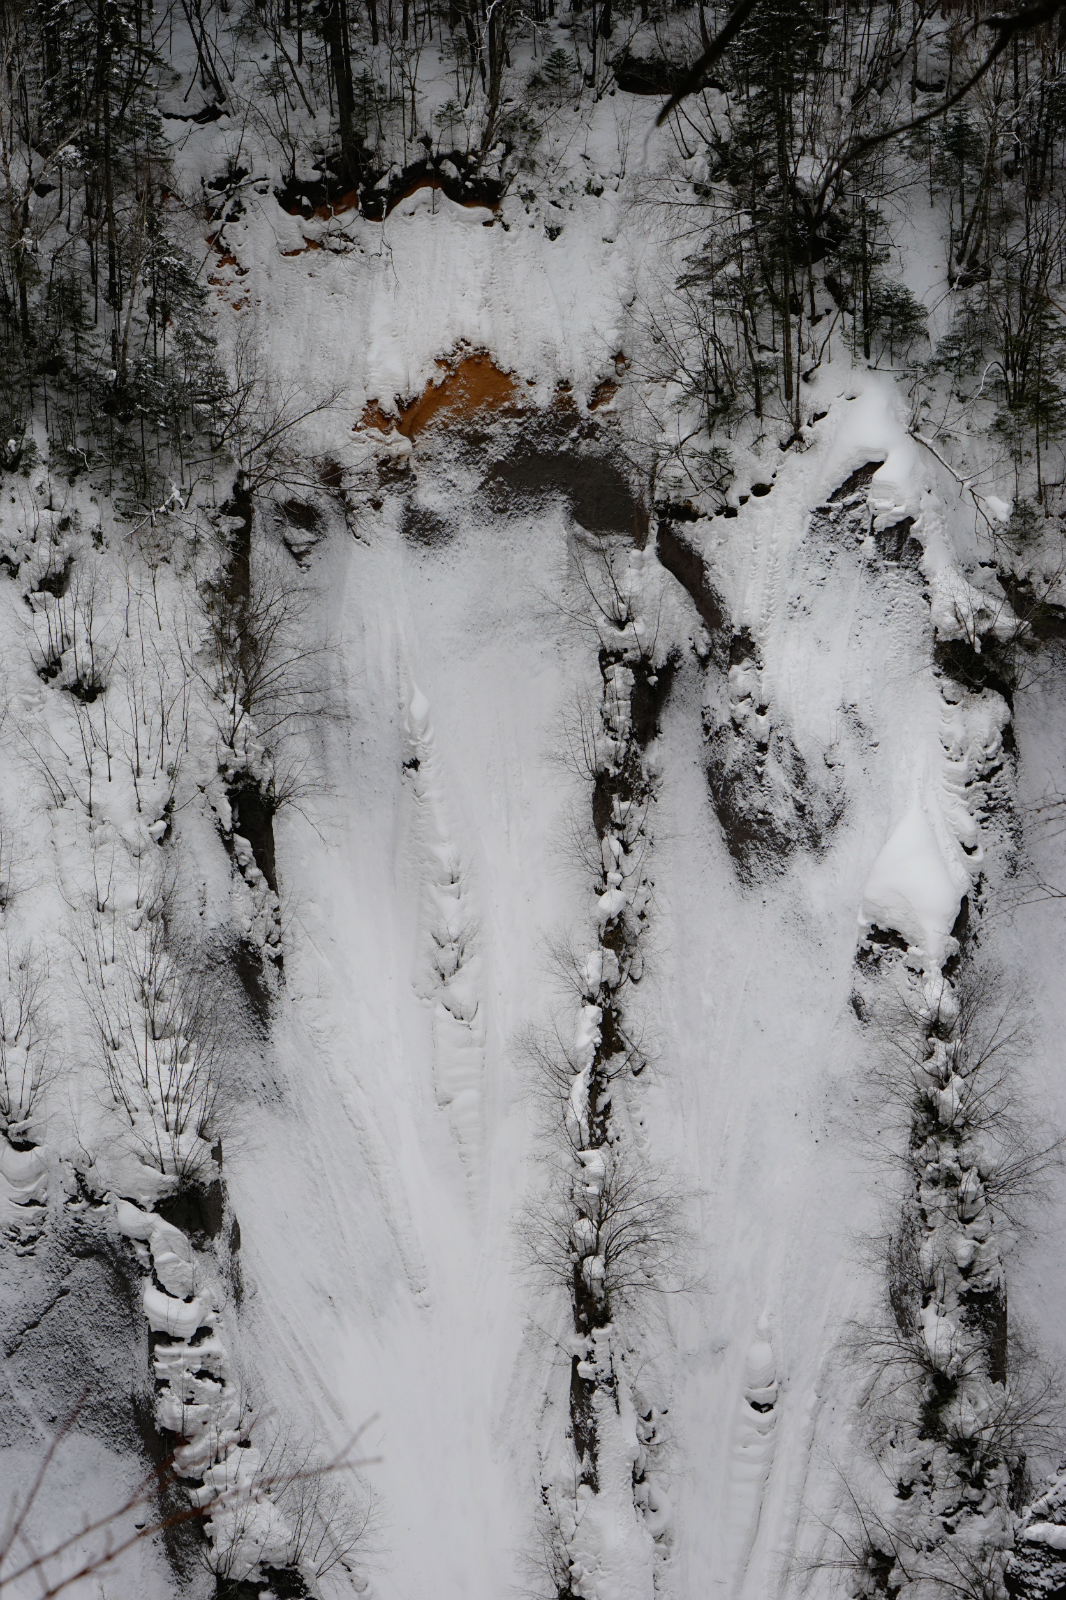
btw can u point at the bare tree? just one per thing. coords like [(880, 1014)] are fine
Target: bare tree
[(260, 418), (61, 1563), (163, 1039), (610, 1230), (957, 1071), (26, 1066)]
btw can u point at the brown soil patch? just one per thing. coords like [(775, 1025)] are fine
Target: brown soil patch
[(374, 417), (602, 394), (226, 258), (470, 383), (412, 188), (563, 398), (347, 202)]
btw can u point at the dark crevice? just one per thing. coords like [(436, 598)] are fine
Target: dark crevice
[(1044, 619), (282, 1583), (651, 691), (183, 1541), (239, 566), (583, 1424), (197, 1209), (649, 75), (895, 544), (602, 499), (985, 1312), (991, 667), (859, 479), (253, 819), (255, 980), (689, 568), (252, 809)]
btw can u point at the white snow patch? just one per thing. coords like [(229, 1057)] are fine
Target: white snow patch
[(915, 890)]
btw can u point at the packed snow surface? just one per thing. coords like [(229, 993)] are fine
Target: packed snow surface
[(912, 890)]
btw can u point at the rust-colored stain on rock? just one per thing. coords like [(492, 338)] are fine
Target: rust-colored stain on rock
[(347, 202), (470, 383), (432, 182), (603, 394)]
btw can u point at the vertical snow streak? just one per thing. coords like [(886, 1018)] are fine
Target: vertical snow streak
[(451, 976), (751, 1455)]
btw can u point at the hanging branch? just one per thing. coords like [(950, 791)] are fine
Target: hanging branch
[(694, 77)]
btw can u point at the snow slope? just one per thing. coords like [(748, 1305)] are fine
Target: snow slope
[(383, 1187), (387, 1207), (389, 1135)]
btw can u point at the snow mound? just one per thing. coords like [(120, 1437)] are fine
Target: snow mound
[(914, 891)]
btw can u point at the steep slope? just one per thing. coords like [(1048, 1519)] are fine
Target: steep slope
[(695, 789)]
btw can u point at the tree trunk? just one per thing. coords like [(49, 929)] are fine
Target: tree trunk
[(786, 249), (334, 29), (496, 43), (865, 285)]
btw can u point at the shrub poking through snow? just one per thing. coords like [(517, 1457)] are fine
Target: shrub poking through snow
[(258, 670), (26, 1067), (162, 1041), (609, 1232), (279, 1518), (956, 1402)]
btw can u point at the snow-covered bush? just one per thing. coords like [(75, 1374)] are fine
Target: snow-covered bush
[(280, 1505), (949, 1065)]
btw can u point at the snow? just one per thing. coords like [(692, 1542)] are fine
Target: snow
[(914, 891), (367, 1254), (389, 1132)]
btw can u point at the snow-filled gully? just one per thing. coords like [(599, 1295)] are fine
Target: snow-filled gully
[(451, 976), (937, 1367), (946, 1396)]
